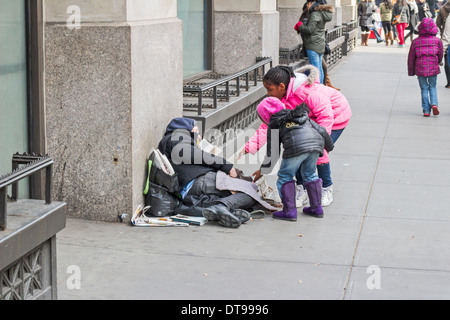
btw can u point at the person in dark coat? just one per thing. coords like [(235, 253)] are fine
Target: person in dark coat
[(197, 172)]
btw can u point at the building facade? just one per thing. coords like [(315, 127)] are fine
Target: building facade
[(93, 83)]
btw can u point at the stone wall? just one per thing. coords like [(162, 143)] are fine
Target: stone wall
[(105, 84)]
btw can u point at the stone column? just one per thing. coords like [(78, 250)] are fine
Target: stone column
[(112, 84), (290, 12), (244, 30), (349, 10), (337, 16)]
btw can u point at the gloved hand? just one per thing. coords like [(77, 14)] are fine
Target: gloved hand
[(297, 26)]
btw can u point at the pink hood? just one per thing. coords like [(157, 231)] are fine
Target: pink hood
[(268, 107)]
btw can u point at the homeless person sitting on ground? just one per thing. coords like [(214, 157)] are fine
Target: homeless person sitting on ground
[(207, 182)]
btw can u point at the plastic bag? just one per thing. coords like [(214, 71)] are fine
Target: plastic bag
[(161, 201)]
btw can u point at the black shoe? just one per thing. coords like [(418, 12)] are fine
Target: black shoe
[(242, 215), (222, 215)]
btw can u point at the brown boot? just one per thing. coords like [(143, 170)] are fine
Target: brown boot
[(367, 39), (328, 83), (363, 35), (386, 38), (391, 37)]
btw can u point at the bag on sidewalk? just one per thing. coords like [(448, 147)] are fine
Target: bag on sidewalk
[(162, 203), (162, 187), (160, 172)]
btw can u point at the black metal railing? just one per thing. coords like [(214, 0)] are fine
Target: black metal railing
[(291, 55), (336, 40), (33, 164), (351, 32), (221, 88)]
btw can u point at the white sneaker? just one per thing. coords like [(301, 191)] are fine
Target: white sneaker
[(327, 196), (301, 196)]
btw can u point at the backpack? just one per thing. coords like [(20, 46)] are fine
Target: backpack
[(161, 190)]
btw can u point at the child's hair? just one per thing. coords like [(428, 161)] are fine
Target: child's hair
[(279, 75)]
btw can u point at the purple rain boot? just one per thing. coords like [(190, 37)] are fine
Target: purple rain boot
[(289, 212), (314, 189)]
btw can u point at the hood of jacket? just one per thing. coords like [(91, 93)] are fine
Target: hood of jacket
[(268, 107), (428, 27), (312, 74), (326, 11), (298, 115)]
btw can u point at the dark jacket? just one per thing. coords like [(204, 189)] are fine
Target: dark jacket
[(179, 145), (423, 8), (313, 32), (297, 133)]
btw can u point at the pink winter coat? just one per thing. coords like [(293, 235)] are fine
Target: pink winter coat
[(328, 107)]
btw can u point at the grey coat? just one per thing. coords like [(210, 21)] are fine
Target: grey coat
[(365, 11)]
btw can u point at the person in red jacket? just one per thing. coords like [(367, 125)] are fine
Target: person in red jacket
[(425, 54)]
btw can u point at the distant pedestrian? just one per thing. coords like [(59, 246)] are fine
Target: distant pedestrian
[(303, 143), (425, 54), (424, 9), (401, 8), (303, 20), (413, 19), (313, 32), (441, 24), (432, 5), (365, 10), (386, 18)]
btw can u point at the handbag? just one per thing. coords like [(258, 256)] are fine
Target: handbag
[(327, 49), (396, 20)]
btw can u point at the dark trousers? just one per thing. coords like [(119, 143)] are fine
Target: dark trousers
[(206, 184), (447, 68)]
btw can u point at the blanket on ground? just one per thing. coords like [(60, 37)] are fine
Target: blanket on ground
[(225, 182)]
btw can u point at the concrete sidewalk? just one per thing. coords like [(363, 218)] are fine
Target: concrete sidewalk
[(386, 236)]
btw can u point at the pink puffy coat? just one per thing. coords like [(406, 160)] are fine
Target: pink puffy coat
[(328, 107)]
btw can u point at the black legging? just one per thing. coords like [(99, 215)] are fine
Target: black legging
[(387, 26)]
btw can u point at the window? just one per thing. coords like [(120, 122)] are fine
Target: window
[(197, 17), (13, 82), (21, 118)]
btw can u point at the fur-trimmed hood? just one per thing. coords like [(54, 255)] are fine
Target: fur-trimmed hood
[(312, 73), (324, 7)]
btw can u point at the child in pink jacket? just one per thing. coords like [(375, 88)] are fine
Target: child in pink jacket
[(328, 107)]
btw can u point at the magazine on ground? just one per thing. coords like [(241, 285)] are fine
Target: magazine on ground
[(140, 220), (195, 221)]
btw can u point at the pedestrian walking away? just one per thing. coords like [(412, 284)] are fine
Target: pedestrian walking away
[(365, 10), (413, 19), (386, 18), (441, 22), (424, 10), (303, 143), (425, 54), (445, 37), (401, 8)]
